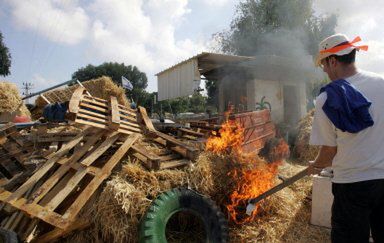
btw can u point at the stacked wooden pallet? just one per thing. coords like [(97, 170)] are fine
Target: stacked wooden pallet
[(49, 197), (96, 112), (58, 191), (13, 152)]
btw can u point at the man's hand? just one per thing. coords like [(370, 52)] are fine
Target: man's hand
[(312, 169), (323, 159)]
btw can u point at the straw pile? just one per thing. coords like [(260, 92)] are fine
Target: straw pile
[(303, 151), (285, 216), (126, 197), (102, 87), (10, 102)]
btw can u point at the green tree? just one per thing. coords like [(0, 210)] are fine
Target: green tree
[(5, 58), (197, 103), (115, 71), (273, 27), (258, 21)]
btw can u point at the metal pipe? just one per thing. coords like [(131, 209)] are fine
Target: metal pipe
[(48, 89)]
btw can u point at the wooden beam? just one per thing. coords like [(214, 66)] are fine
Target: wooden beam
[(115, 114), (147, 121)]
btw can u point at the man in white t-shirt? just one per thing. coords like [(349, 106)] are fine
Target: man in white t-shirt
[(352, 144)]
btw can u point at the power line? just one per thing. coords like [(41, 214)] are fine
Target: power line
[(27, 87)]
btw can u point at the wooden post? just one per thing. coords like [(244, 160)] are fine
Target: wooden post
[(147, 121)]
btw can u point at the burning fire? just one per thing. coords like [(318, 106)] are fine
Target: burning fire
[(231, 137), (253, 176)]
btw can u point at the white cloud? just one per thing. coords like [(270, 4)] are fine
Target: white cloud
[(216, 2), (59, 21), (141, 33), (136, 32)]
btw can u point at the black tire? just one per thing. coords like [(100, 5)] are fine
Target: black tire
[(153, 225), (8, 236)]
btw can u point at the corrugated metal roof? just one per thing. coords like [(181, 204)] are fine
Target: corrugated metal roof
[(208, 61)]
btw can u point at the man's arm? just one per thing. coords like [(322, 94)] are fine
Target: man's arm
[(323, 159)]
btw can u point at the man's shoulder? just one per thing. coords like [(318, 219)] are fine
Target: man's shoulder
[(371, 75)]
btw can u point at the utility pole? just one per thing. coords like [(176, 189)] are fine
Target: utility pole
[(27, 87)]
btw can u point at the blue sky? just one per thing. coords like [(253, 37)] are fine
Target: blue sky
[(51, 39)]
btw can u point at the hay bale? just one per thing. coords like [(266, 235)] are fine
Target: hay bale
[(126, 198), (119, 210), (11, 104), (284, 217), (102, 87), (302, 150)]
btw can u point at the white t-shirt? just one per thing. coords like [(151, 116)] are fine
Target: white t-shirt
[(359, 156)]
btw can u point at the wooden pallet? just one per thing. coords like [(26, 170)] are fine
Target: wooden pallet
[(103, 114), (13, 152), (159, 161), (64, 184), (175, 145)]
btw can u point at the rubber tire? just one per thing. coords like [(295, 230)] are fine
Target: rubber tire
[(153, 225), (8, 236)]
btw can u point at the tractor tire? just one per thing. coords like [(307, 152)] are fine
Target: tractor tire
[(8, 236), (153, 225)]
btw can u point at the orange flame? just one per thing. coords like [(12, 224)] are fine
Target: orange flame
[(231, 136), (253, 177)]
